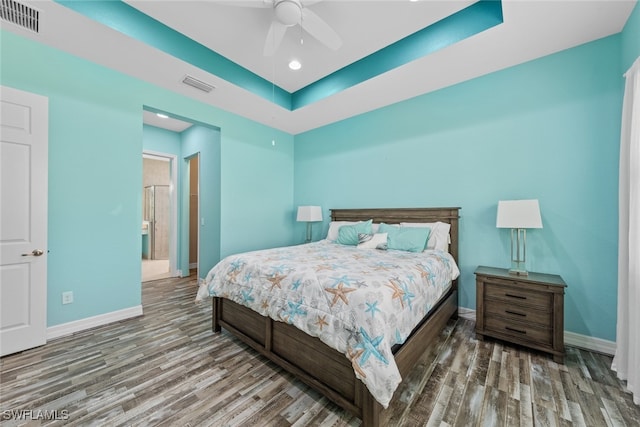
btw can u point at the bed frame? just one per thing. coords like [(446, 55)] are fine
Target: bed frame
[(322, 367)]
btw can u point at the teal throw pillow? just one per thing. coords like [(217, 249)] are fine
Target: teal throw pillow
[(348, 234), (411, 239)]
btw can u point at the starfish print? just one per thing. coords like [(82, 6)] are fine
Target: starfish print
[(296, 284), (384, 266), (370, 347), (275, 280), (425, 273), (246, 295), (232, 275), (279, 269), (408, 295), (265, 304), (372, 308), (397, 291), (341, 280), (340, 293), (324, 267), (353, 356), (294, 310), (321, 322)]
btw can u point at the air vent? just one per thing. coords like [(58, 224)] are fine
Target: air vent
[(19, 14), (198, 84)]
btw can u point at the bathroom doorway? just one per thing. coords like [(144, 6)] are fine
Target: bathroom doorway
[(157, 217)]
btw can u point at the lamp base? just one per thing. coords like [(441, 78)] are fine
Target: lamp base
[(308, 239), (515, 272)]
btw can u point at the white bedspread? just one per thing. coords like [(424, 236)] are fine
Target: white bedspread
[(360, 302)]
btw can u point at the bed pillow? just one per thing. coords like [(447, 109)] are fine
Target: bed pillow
[(439, 237), (411, 239), (348, 234), (372, 241), (334, 226)]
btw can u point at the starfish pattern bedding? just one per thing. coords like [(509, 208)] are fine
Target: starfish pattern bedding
[(360, 302)]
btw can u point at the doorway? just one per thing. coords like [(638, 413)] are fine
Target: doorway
[(158, 226), (194, 212)]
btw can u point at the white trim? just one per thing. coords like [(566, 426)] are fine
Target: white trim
[(467, 313), (69, 328), (570, 338), (193, 265), (590, 343)]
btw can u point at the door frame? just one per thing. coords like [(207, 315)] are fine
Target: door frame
[(187, 188), (173, 201)]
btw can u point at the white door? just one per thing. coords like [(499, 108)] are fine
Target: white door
[(24, 131)]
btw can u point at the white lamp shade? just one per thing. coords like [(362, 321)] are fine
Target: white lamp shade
[(518, 214), (309, 213)]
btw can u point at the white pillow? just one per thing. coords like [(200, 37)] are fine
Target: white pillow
[(334, 226), (372, 241), (438, 238)]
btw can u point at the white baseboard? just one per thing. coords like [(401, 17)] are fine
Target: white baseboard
[(193, 265), (467, 313), (570, 338), (69, 328), (590, 343)]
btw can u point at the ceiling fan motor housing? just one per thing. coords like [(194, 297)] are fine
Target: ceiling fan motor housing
[(288, 12)]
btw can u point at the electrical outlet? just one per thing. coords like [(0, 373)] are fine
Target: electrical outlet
[(67, 297)]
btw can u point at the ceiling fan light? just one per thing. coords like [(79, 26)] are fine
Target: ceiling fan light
[(288, 12)]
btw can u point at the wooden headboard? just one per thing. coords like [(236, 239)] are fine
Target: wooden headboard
[(397, 215)]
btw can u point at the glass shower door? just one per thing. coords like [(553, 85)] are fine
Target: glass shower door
[(157, 212)]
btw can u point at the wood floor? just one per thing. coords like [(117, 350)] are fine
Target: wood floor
[(167, 368)]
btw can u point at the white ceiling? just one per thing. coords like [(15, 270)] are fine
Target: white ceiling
[(531, 29)]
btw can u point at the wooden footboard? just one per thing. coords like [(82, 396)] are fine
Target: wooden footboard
[(317, 364)]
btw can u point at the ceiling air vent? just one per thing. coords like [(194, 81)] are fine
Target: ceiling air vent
[(20, 14), (198, 84)]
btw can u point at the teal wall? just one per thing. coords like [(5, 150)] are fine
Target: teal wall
[(95, 175), (161, 141), (547, 129), (631, 39)]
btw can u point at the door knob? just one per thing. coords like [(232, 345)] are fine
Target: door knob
[(35, 252)]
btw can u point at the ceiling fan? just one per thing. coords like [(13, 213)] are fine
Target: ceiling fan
[(287, 13)]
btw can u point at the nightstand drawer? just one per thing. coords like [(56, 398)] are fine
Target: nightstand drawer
[(542, 317), (522, 331), (514, 295)]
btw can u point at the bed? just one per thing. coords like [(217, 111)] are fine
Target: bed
[(311, 355)]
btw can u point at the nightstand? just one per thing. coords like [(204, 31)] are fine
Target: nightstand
[(524, 310)]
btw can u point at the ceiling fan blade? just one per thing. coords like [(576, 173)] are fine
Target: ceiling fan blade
[(319, 29), (245, 3), (274, 38)]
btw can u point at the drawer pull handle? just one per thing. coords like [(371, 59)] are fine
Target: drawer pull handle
[(516, 296), (520, 331), (515, 313)]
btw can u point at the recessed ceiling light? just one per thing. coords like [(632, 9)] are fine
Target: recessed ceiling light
[(295, 65), (162, 116)]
